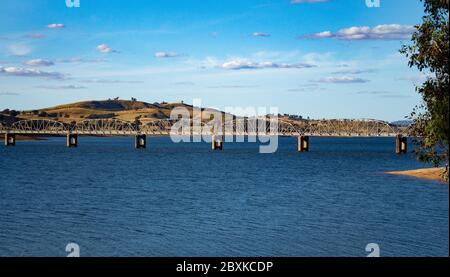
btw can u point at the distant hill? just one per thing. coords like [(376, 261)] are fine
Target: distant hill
[(107, 105), (127, 110), (402, 123)]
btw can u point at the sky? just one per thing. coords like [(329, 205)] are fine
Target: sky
[(315, 58)]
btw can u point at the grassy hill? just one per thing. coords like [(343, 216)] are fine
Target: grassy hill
[(119, 109), (106, 105)]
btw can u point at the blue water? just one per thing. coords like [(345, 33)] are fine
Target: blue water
[(183, 200)]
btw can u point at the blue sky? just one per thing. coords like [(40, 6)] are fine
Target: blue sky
[(322, 59)]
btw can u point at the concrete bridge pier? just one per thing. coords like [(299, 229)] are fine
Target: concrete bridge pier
[(140, 141), (216, 144), (72, 140), (10, 139), (401, 144), (303, 144)]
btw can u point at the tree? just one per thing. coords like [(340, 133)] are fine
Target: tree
[(14, 113), (429, 53), (137, 122)]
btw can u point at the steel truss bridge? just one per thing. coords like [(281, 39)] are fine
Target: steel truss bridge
[(236, 127)]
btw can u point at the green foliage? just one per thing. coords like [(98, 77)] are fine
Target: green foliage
[(429, 53)]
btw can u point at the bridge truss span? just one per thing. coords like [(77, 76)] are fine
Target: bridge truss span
[(39, 127), (104, 127), (236, 127), (260, 127), (350, 128)]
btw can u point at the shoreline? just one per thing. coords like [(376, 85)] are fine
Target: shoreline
[(434, 174)]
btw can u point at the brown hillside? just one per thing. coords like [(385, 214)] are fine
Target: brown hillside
[(120, 109), (106, 105)]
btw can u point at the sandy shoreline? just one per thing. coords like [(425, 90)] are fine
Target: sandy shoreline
[(425, 173)]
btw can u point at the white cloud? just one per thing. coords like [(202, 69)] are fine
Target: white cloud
[(258, 34), (81, 60), (341, 80), (67, 87), (380, 32), (160, 55), (56, 26), (105, 49), (355, 72), (39, 62), (233, 86), (326, 34), (244, 64), (306, 89), (19, 49), (184, 83), (26, 72), (9, 93), (417, 79), (103, 81)]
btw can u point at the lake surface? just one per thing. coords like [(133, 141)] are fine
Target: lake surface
[(184, 200)]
